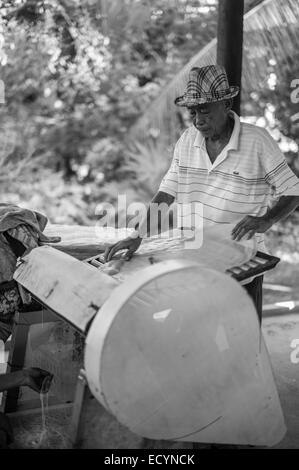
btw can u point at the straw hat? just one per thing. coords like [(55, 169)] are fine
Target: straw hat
[(207, 85)]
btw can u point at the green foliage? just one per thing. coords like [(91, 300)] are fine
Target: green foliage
[(106, 158), (78, 75), (273, 102), (147, 164)]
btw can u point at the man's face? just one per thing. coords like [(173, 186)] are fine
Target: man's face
[(210, 118)]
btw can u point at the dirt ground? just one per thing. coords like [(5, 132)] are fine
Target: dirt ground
[(279, 333)]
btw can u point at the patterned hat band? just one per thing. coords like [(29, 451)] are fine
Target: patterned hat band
[(215, 95), (207, 84)]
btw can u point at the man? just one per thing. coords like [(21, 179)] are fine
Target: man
[(235, 170)]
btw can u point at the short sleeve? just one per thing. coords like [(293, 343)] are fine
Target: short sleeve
[(278, 174), (169, 183)]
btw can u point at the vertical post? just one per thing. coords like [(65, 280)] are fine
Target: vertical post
[(230, 42)]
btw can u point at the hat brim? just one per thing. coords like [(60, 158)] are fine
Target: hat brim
[(186, 100)]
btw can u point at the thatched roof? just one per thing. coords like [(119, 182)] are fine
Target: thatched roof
[(270, 32)]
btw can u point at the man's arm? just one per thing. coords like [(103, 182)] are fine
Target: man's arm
[(33, 377), (250, 225), (145, 225), (12, 380), (131, 244)]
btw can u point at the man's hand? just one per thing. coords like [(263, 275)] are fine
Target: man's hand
[(129, 244), (132, 244), (249, 226), (37, 379)]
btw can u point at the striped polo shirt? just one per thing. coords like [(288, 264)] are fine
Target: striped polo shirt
[(247, 177)]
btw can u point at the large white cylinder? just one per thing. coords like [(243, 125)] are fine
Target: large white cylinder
[(176, 353)]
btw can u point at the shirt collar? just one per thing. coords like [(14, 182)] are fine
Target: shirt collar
[(233, 143)]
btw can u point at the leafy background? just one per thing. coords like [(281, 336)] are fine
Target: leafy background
[(86, 82)]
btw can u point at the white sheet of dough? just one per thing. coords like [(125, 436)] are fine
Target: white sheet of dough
[(218, 251), (176, 353)]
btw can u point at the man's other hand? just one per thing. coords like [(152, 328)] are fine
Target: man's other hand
[(250, 225), (129, 244), (37, 379)]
